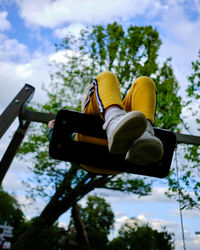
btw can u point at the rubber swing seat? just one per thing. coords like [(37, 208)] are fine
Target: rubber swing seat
[(64, 148)]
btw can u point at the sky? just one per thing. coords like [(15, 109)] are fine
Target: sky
[(28, 32)]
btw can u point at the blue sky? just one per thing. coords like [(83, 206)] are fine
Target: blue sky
[(28, 31)]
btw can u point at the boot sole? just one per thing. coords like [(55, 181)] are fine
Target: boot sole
[(145, 152), (129, 128)]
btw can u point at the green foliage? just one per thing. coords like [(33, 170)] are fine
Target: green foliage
[(193, 92), (97, 215), (193, 89), (48, 238), (11, 213), (169, 104), (129, 185), (129, 54), (136, 237), (98, 219), (187, 188)]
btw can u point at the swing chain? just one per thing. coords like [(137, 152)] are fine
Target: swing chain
[(179, 201)]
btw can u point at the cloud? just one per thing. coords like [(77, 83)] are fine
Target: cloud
[(120, 221), (53, 14), (10, 83), (157, 195), (14, 75), (178, 29), (12, 182), (141, 219), (12, 50), (31, 209), (192, 213), (155, 223), (180, 36), (192, 241), (74, 29), (4, 23)]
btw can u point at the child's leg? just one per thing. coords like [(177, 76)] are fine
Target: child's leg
[(104, 98), (142, 96), (103, 94)]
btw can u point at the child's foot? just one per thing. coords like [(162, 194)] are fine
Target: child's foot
[(146, 149), (122, 129)]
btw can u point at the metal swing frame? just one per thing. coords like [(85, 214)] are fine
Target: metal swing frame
[(18, 109)]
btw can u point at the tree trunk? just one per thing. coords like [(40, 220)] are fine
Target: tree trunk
[(59, 204), (82, 235)]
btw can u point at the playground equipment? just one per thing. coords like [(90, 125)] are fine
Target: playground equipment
[(69, 122)]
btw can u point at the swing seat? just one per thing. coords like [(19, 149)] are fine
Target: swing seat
[(63, 147)]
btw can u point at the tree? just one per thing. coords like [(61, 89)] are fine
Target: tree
[(169, 105), (193, 152), (129, 54), (11, 213), (97, 218), (137, 237), (187, 189)]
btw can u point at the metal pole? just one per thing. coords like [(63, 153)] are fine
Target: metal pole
[(33, 116), (12, 149), (188, 139), (15, 107), (45, 118)]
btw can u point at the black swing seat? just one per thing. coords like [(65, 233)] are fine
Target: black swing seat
[(63, 147)]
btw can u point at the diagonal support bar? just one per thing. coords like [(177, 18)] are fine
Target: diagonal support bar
[(12, 149), (15, 107)]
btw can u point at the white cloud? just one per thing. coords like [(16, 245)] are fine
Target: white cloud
[(55, 13), (155, 223), (4, 23), (181, 38), (120, 221), (31, 209), (179, 32), (194, 213), (59, 57), (12, 182), (63, 224), (24, 70), (12, 50), (192, 241), (11, 83), (157, 195), (14, 75), (74, 29)]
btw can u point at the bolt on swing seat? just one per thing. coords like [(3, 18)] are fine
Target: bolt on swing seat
[(63, 147)]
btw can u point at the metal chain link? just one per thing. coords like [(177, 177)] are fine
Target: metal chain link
[(179, 201)]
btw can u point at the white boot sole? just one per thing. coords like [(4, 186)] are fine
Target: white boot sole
[(145, 152), (131, 127)]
